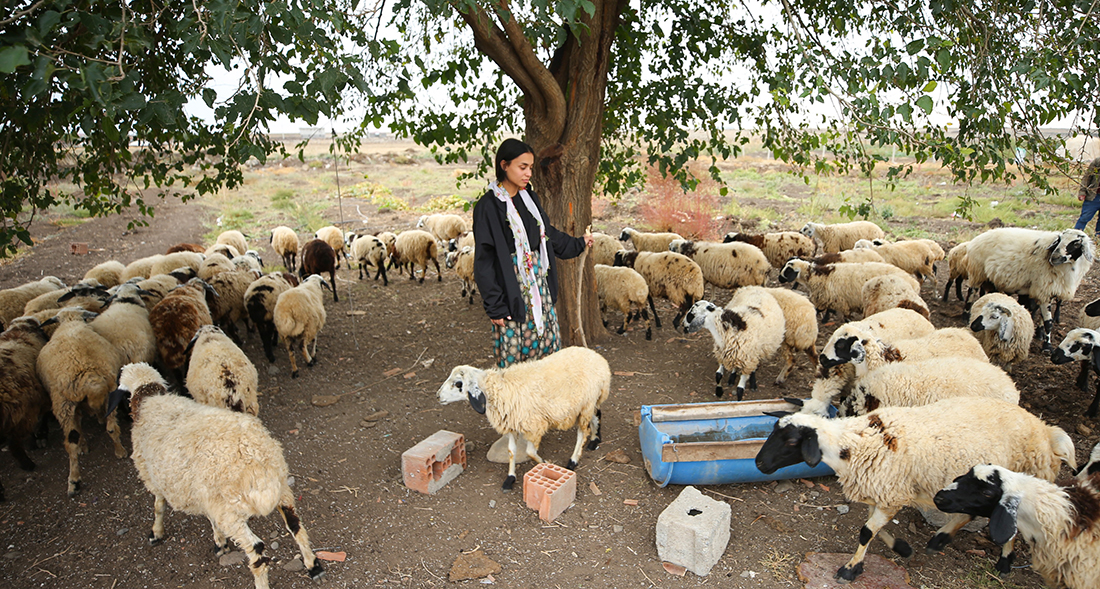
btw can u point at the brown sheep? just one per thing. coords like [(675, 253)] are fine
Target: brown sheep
[(318, 257)]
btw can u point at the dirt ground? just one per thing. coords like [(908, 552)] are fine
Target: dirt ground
[(347, 470)]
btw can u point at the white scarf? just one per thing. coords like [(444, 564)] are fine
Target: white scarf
[(524, 257)]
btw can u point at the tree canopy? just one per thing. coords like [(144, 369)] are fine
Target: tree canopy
[(92, 95)]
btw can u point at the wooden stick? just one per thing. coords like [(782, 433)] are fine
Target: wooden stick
[(580, 281)]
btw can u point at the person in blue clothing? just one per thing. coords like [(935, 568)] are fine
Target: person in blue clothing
[(1089, 195)]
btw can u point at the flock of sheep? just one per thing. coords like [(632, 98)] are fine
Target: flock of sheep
[(917, 406)]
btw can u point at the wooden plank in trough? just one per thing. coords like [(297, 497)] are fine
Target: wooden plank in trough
[(707, 451), (695, 411)]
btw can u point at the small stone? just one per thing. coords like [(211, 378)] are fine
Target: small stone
[(294, 565), (122, 531), (274, 545), (783, 487), (492, 504), (272, 370), (617, 456), (1083, 429), (842, 509), (273, 535), (748, 574), (290, 481), (376, 416), (367, 424), (473, 566), (815, 494), (13, 555), (324, 400), (233, 558), (617, 528)]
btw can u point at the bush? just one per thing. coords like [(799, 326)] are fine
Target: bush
[(445, 203), (666, 207)]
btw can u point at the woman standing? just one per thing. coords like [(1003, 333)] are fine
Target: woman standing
[(515, 260)]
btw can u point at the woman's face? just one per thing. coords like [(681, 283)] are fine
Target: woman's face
[(518, 170)]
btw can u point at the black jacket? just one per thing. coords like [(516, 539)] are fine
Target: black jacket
[(495, 244)]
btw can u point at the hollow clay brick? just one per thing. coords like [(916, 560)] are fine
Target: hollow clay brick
[(550, 489), (428, 466)]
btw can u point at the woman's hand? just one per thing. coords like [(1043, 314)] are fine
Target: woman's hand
[(588, 239), (499, 322)]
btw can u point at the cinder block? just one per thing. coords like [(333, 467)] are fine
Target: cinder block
[(434, 462), (693, 531), (550, 489)]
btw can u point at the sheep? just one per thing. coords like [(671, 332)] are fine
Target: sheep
[(1092, 467), (125, 323), (800, 331), (838, 287), (299, 316), (853, 256), (890, 326), (1004, 327), (142, 267), (840, 236), (416, 248), (915, 257), (107, 274), (186, 247), (625, 290), (213, 265), (748, 331), (604, 248), (333, 236), (648, 242), (899, 456), (463, 264), (285, 243), (222, 249), (259, 301), (726, 265), (1062, 524), (912, 383), (1043, 265), (1082, 345), (777, 247), (464, 240), (79, 367), (234, 239), (219, 374), (250, 260), (368, 250), (24, 402), (14, 300), (670, 275), (229, 306), (390, 239), (209, 461), (170, 262), (557, 392), (888, 292), (176, 319), (154, 289), (91, 298), (318, 257), (442, 227)]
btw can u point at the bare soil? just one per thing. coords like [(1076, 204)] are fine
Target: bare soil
[(389, 349)]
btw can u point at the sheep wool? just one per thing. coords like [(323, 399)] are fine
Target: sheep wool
[(838, 287), (888, 292), (221, 249), (670, 275), (922, 382), (318, 257), (726, 265), (915, 257), (604, 248), (777, 247), (800, 328), (125, 323), (299, 316), (1004, 328), (259, 299), (284, 241), (229, 306), (219, 374), (234, 239), (107, 274), (368, 250), (852, 256), (213, 265), (14, 300), (648, 242), (23, 400), (625, 290), (176, 319), (463, 263), (333, 236), (841, 236), (142, 267), (416, 248), (170, 262), (443, 227)]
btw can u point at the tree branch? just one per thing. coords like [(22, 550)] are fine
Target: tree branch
[(552, 96), (490, 40), (18, 15)]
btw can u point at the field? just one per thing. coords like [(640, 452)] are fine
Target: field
[(387, 349)]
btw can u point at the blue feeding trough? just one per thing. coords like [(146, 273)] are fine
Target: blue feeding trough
[(713, 443)]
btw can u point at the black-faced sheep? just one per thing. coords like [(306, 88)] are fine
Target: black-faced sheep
[(648, 242), (285, 243), (838, 287), (604, 248), (1043, 265), (1004, 327), (319, 257), (107, 274), (78, 367), (333, 236), (956, 272), (443, 227), (416, 248), (249, 260), (14, 300), (24, 402), (212, 462), (463, 263), (368, 250), (1062, 524), (623, 289), (1082, 345), (777, 247), (841, 236), (260, 299), (726, 265), (219, 374), (125, 323), (235, 239), (299, 316), (669, 275), (558, 392), (900, 456)]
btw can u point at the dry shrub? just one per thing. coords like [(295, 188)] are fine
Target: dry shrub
[(694, 214)]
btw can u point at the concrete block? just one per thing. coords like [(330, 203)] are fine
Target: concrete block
[(549, 489), (434, 462), (693, 531)]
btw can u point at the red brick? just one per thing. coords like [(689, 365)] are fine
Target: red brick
[(550, 489), (434, 462)]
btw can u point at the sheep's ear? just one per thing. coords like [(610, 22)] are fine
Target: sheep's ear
[(114, 399), (1095, 357), (477, 400), (811, 449), (66, 296), (325, 286), (1002, 522), (51, 321), (779, 414), (89, 316), (794, 401), (1006, 328)]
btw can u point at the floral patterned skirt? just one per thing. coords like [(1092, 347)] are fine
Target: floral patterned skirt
[(517, 342)]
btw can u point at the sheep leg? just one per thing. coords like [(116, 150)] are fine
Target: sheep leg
[(898, 545), (267, 338), (252, 546), (596, 425), (438, 273), (656, 318), (69, 418), (1095, 406), (160, 506), (944, 535), (303, 348), (361, 270), (745, 379), (582, 436), (947, 290), (332, 279), (221, 543), (116, 435), (875, 522), (718, 374), (511, 480), (294, 525), (1083, 376), (382, 272), (291, 342), (788, 365), (19, 453), (42, 434), (1048, 327)]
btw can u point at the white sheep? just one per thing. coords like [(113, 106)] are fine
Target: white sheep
[(154, 289), (89, 298), (219, 374), (912, 383), (213, 265), (888, 292), (416, 248), (212, 462), (900, 456), (299, 316), (222, 249), (456, 244), (250, 260), (648, 242), (956, 272), (604, 248), (1062, 524), (24, 403), (107, 274), (14, 300), (390, 239), (726, 265), (1004, 327), (1043, 265), (234, 239), (853, 256), (557, 392), (259, 301), (142, 267), (746, 332), (915, 257), (623, 289), (284, 241), (800, 328), (368, 250), (78, 367), (443, 227), (333, 236), (777, 247), (125, 323), (463, 263), (669, 275), (169, 262), (840, 236), (838, 287), (1082, 345), (1092, 466)]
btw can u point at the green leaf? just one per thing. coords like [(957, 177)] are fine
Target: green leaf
[(925, 104), (929, 87), (12, 57)]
